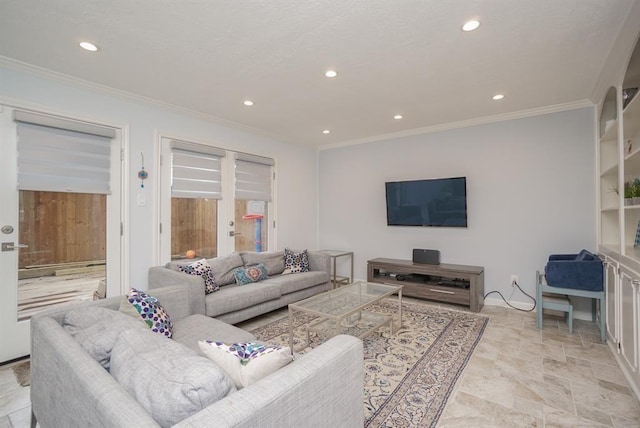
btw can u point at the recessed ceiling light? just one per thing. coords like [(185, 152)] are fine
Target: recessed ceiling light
[(397, 117), (326, 131), (248, 102), (497, 97), (331, 73), (470, 25), (88, 46)]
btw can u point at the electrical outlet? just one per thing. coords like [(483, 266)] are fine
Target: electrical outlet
[(514, 280)]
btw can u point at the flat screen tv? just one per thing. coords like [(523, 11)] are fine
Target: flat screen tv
[(440, 202)]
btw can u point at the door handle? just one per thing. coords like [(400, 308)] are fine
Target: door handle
[(232, 233), (10, 246)]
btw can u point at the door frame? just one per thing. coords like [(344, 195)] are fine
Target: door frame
[(226, 206)]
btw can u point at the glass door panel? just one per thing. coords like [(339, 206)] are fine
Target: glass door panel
[(63, 258), (194, 228), (252, 220)]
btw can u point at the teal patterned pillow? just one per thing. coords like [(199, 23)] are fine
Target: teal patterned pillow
[(249, 274), (295, 262), (246, 362), (139, 304)]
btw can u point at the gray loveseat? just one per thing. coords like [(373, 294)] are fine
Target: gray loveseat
[(234, 303), (70, 388)]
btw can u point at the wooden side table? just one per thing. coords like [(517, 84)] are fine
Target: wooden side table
[(336, 279)]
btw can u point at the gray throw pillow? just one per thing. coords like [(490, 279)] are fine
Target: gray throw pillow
[(223, 267), (170, 381), (96, 329), (272, 260)]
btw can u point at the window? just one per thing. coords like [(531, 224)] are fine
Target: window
[(253, 176), (196, 188), (213, 201)]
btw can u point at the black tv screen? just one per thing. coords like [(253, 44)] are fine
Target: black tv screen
[(438, 202)]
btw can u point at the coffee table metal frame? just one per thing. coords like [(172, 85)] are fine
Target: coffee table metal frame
[(342, 310)]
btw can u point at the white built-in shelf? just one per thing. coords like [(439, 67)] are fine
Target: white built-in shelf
[(611, 131)]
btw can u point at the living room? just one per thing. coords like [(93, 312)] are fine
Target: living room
[(530, 175)]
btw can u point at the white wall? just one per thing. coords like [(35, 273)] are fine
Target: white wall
[(296, 167), (530, 193)]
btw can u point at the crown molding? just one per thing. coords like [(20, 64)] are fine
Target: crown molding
[(464, 123), (51, 75), (44, 73)]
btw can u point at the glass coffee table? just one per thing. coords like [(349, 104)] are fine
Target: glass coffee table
[(342, 311)]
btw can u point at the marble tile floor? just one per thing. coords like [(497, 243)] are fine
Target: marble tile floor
[(518, 376)]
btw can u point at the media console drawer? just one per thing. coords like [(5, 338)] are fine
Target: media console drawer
[(458, 284)]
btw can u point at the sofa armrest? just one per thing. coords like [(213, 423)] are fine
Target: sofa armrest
[(322, 388), (319, 261), (69, 388), (160, 276)]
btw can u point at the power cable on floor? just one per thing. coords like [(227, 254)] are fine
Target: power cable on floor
[(510, 305)]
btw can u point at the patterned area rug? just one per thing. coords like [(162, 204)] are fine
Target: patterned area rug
[(408, 376), (22, 373)]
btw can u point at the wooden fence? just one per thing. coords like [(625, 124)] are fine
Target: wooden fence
[(193, 227), (61, 228)]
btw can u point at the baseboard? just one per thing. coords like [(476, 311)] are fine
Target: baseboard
[(492, 301)]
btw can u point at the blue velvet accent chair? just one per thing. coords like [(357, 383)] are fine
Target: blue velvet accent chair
[(582, 271)]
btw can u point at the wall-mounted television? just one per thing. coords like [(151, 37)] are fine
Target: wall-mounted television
[(440, 202)]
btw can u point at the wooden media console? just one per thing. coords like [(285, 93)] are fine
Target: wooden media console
[(459, 284)]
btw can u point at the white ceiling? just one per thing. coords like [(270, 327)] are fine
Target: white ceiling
[(407, 57)]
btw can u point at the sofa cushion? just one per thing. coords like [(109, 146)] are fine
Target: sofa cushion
[(585, 255), (248, 274), (291, 283), (140, 305), (193, 328), (272, 260), (246, 363), (201, 268), (96, 329), (295, 261), (223, 268), (169, 380), (235, 297)]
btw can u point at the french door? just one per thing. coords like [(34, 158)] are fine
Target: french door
[(213, 201), (60, 216)]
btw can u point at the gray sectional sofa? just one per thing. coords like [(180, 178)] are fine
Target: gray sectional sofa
[(71, 387), (234, 303)]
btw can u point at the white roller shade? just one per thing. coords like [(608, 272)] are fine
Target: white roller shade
[(62, 160), (196, 171), (253, 177)]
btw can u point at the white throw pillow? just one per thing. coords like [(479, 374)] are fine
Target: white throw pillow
[(246, 363)]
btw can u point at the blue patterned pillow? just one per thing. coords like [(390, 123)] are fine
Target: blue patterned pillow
[(295, 262), (249, 274), (139, 304), (201, 268)]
